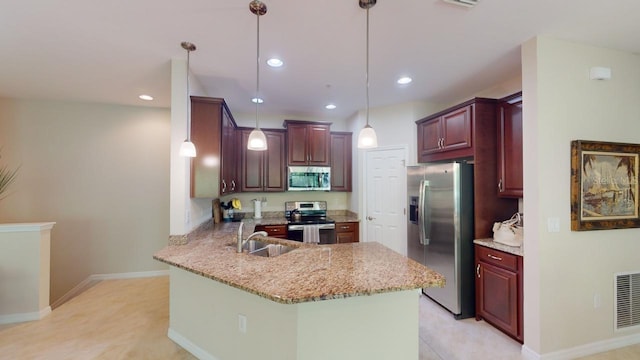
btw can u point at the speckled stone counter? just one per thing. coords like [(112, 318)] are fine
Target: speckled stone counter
[(515, 250), (309, 273)]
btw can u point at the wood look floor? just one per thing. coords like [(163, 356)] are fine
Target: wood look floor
[(128, 319)]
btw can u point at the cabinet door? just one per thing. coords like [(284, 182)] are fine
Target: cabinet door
[(297, 144), (275, 166), (251, 165), (206, 136), (341, 144), (510, 148), (497, 296), (429, 135), (347, 232), (319, 140), (229, 164), (456, 129)]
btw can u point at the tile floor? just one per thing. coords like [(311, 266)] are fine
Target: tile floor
[(128, 319)]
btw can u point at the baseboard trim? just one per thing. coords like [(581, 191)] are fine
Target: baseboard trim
[(583, 350), (130, 275), (194, 349), (23, 317), (96, 278)]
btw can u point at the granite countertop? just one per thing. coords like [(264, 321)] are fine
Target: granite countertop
[(515, 250), (309, 273)]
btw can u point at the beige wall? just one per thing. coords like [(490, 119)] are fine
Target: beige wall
[(100, 172), (565, 270)]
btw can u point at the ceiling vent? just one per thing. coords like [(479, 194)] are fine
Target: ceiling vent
[(467, 3), (627, 297)]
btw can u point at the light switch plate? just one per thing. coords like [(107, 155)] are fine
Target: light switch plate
[(553, 224)]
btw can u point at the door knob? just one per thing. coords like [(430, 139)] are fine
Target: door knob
[(370, 218)]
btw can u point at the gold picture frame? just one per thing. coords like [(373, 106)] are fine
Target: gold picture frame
[(604, 185)]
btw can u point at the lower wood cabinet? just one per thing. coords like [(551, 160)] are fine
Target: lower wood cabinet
[(347, 232), (499, 290), (277, 231)]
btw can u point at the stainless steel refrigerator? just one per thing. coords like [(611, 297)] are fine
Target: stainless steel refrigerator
[(440, 230)]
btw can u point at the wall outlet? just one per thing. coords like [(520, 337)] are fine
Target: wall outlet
[(242, 323)]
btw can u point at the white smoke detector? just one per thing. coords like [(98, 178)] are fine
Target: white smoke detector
[(467, 3)]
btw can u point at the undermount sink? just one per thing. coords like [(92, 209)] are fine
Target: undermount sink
[(259, 248)]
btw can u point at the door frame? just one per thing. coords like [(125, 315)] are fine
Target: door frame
[(363, 184)]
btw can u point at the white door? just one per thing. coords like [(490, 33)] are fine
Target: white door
[(385, 197)]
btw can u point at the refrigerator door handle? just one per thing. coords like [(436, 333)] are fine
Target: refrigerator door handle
[(423, 215)]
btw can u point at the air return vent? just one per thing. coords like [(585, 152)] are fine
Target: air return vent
[(627, 294), (467, 3)]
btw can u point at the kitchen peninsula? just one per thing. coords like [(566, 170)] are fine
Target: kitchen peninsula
[(355, 301)]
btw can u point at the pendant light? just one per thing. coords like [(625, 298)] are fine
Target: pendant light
[(187, 149), (257, 140), (367, 138)]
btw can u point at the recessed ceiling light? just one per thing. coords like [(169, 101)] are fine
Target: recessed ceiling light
[(146, 97), (330, 106), (404, 80), (257, 100), (273, 62)]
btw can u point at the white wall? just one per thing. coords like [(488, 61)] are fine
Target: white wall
[(564, 270), (98, 171)]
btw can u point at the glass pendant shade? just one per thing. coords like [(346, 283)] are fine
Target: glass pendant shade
[(257, 140), (367, 138), (187, 149)]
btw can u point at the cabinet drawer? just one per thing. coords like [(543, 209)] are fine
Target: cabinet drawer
[(498, 258), (273, 230), (345, 227)]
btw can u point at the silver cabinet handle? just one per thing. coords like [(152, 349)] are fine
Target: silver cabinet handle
[(233, 185), (370, 218), (224, 186), (344, 227), (494, 257), (500, 186), (478, 270)]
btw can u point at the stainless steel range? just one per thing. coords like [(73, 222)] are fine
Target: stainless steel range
[(308, 222)]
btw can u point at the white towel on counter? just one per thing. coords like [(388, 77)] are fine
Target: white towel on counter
[(311, 234)]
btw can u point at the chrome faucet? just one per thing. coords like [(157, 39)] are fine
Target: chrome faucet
[(242, 242)]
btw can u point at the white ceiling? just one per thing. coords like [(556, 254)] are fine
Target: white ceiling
[(112, 51)]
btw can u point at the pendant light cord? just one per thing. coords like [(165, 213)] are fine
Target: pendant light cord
[(367, 69), (257, 69), (188, 101)]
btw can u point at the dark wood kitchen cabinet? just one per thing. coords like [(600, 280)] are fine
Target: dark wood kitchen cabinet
[(468, 132), (447, 135), (347, 232), (341, 161), (499, 298), (263, 170), (510, 146), (276, 231), (308, 143), (213, 170)]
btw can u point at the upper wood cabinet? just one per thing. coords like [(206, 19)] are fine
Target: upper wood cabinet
[(308, 143), (263, 170), (510, 146), (213, 170), (341, 161), (446, 133)]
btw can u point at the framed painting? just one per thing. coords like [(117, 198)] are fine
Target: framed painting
[(604, 185)]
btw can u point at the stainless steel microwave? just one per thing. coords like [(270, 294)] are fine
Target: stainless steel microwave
[(301, 178)]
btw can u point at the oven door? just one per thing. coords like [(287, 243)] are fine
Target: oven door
[(327, 233)]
